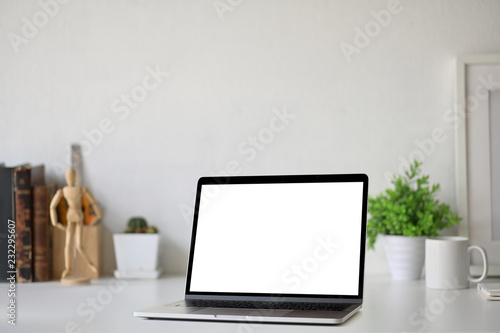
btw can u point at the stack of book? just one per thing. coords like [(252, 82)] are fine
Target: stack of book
[(24, 203), (490, 291)]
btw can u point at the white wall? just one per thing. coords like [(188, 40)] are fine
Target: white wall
[(229, 73)]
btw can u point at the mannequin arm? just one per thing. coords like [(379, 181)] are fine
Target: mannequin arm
[(93, 204), (53, 213)]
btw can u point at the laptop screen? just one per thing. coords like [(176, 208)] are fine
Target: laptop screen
[(279, 235)]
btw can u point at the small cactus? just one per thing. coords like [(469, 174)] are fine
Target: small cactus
[(139, 225)]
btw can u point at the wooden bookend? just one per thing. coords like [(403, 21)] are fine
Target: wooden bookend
[(92, 245)]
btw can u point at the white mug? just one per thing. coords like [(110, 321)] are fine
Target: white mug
[(447, 263)]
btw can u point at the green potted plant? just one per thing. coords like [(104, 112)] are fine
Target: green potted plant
[(406, 215), (139, 225), (137, 250)]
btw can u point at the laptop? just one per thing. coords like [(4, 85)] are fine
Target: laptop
[(274, 249)]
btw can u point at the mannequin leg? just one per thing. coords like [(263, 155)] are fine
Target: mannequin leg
[(78, 240), (68, 250)]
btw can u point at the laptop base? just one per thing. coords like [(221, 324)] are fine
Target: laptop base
[(179, 310)]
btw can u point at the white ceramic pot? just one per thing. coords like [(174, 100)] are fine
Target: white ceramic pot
[(137, 255), (405, 255)]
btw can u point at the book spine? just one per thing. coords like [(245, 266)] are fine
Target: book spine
[(41, 245), (7, 213), (23, 203)]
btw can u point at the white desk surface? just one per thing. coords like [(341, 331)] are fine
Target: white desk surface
[(107, 306)]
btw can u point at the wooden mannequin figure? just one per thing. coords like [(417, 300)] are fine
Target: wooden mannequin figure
[(74, 229)]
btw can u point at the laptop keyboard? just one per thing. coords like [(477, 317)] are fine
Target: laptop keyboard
[(268, 305)]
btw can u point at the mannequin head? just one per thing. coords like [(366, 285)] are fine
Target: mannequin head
[(70, 177)]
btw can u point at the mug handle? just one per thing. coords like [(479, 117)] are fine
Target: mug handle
[(485, 263)]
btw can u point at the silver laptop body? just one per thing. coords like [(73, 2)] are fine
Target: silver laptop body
[(277, 249)]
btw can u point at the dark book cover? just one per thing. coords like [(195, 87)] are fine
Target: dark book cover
[(7, 213), (41, 243), (23, 208)]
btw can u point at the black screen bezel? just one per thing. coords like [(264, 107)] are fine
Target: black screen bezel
[(283, 179)]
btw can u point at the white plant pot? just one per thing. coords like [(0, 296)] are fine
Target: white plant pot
[(405, 255), (137, 255)]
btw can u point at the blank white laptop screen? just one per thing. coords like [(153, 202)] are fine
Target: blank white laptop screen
[(279, 238)]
